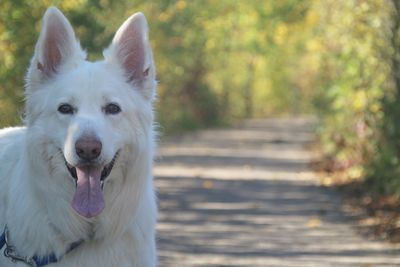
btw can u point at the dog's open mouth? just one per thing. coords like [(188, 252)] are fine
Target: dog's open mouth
[(88, 200), (104, 173)]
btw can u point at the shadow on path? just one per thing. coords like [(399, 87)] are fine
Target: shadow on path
[(246, 197)]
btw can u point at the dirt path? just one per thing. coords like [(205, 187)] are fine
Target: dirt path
[(246, 197)]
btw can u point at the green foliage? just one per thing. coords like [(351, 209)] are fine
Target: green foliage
[(352, 54), (357, 88), (384, 173), (218, 60)]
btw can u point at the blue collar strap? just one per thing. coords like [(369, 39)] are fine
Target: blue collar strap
[(2, 240), (35, 261)]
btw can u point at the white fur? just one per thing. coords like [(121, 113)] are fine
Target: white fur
[(36, 188)]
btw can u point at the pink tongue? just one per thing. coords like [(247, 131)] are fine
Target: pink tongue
[(88, 199)]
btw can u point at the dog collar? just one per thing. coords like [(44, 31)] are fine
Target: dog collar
[(35, 260)]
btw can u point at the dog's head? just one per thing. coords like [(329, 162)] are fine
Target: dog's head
[(84, 112)]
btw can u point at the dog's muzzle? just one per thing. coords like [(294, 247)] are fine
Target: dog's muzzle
[(104, 174), (88, 200)]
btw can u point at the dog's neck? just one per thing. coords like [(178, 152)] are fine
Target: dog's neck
[(35, 229)]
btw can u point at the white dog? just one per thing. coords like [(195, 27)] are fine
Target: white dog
[(76, 183)]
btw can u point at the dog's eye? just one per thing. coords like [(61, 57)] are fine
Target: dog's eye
[(112, 109), (66, 109)]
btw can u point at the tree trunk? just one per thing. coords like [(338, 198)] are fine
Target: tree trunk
[(396, 47), (248, 89)]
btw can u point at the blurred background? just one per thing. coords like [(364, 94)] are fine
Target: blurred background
[(221, 61)]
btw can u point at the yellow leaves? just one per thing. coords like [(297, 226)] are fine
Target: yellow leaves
[(364, 6), (72, 4), (314, 222), (104, 3), (314, 45), (327, 180), (172, 11), (281, 33), (8, 59), (181, 4), (356, 172), (359, 101), (163, 17), (363, 101), (312, 18), (210, 44), (208, 184), (375, 107), (166, 15)]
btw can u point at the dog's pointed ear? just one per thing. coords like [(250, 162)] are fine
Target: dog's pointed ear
[(130, 49), (57, 46)]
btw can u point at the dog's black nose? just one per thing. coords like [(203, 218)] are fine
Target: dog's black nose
[(88, 148)]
